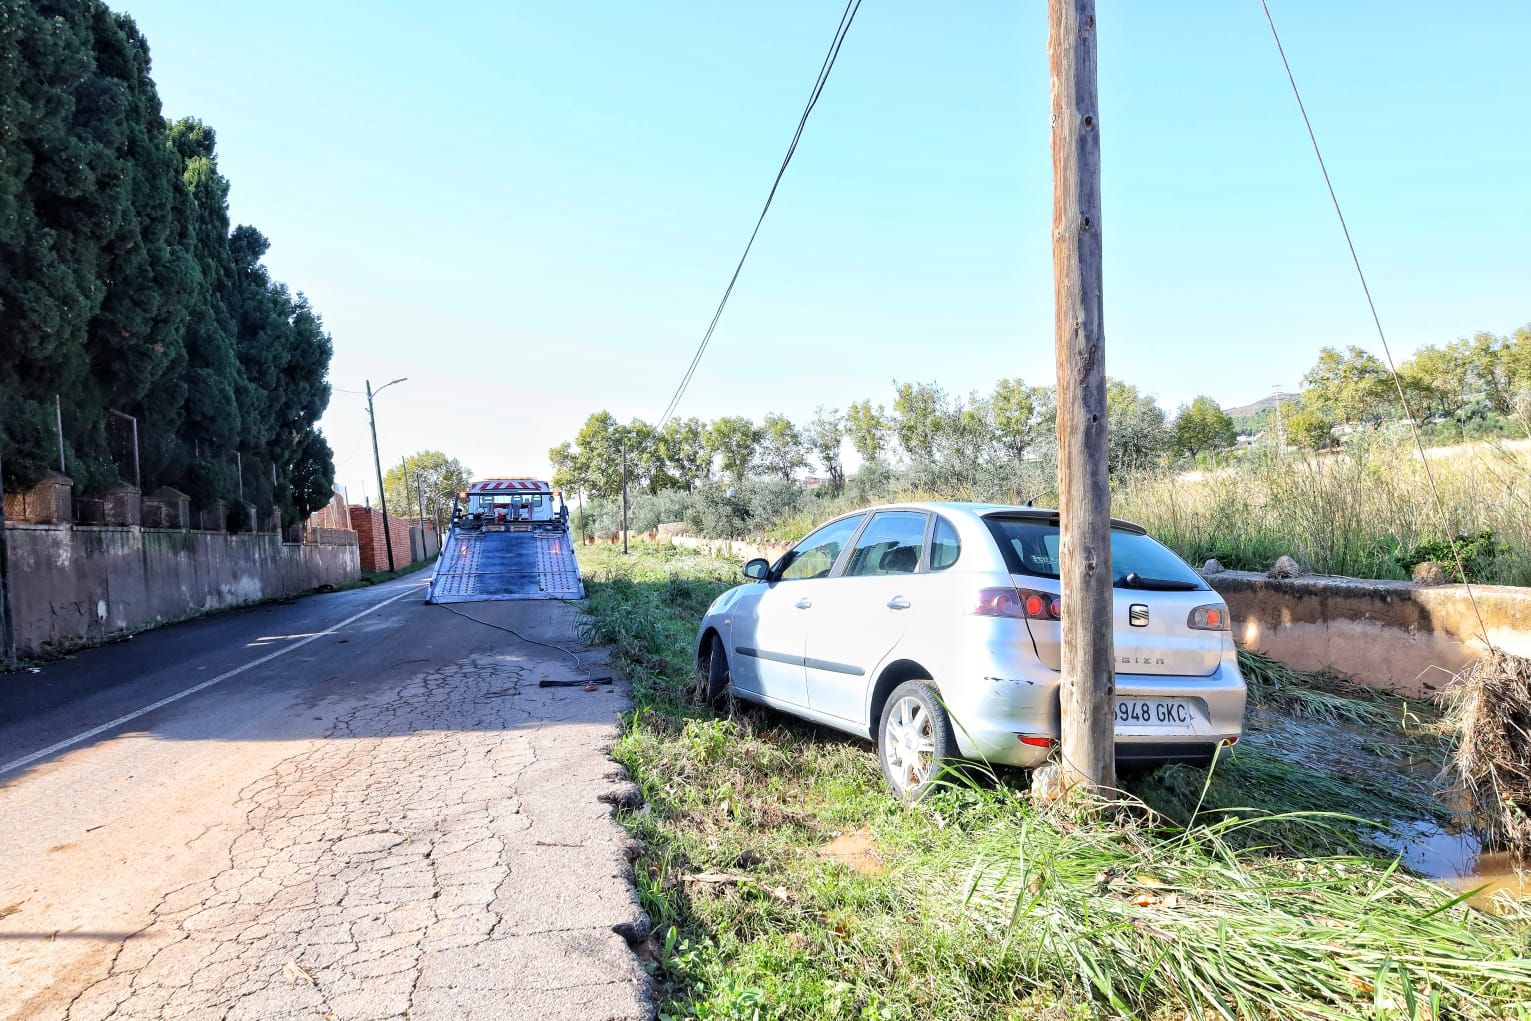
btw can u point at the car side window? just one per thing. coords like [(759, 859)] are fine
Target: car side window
[(891, 544), (944, 545), (815, 556)]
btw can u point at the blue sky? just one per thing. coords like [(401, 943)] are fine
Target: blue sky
[(530, 210)]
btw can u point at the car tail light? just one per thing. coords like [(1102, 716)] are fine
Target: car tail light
[(1025, 604), (1035, 740), (1212, 617)]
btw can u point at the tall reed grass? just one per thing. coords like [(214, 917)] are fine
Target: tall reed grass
[(1359, 513)]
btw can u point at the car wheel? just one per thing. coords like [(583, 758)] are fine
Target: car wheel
[(914, 739), (719, 679)]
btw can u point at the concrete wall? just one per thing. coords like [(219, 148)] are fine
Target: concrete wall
[(1391, 634), (741, 549), (71, 585), (423, 541)]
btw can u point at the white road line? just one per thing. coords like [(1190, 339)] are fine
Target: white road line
[(27, 760)]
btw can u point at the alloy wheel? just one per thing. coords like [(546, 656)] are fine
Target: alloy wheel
[(909, 745)]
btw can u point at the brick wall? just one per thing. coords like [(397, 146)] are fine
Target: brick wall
[(368, 524)]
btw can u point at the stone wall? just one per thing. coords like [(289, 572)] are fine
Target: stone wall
[(71, 585)]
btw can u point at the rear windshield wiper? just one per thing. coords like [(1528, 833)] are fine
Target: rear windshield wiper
[(1136, 580)]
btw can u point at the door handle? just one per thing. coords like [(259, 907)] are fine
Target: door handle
[(898, 603), (803, 603)]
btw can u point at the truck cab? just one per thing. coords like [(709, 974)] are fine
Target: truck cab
[(519, 504)]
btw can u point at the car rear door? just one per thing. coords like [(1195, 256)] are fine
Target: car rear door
[(861, 614)]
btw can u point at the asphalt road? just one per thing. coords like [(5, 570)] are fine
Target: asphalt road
[(351, 805)]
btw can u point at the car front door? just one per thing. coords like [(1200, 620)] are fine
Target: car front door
[(768, 650), (864, 612)]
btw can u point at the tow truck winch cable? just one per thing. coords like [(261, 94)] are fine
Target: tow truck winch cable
[(530, 641)]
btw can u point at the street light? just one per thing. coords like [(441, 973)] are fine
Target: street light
[(377, 463)]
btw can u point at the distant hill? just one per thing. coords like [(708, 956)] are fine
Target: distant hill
[(1261, 406)]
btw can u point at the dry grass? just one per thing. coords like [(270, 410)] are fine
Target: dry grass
[(1489, 708)]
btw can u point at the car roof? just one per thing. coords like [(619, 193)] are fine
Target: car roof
[(992, 510)]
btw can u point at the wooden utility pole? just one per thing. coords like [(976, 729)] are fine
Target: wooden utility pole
[(1084, 490), (420, 493), (382, 495)]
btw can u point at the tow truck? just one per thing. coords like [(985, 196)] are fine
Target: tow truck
[(506, 541)]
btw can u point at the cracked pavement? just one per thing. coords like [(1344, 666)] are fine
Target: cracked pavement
[(440, 845)]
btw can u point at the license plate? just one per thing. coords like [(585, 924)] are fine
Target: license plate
[(1173, 715)]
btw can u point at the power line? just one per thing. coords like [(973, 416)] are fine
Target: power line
[(1435, 492), (846, 17)]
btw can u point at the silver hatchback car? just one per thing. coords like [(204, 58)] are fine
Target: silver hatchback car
[(933, 629)]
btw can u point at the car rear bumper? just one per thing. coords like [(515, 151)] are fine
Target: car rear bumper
[(992, 715)]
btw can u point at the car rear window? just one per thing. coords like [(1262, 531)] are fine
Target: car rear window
[(1030, 547)]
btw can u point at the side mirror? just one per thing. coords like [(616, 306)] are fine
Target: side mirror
[(757, 570)]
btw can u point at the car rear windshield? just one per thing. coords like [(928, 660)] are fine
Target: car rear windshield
[(1030, 547)]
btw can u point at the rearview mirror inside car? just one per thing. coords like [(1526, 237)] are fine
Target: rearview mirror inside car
[(757, 569)]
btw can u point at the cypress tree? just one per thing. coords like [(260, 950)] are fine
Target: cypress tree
[(122, 286)]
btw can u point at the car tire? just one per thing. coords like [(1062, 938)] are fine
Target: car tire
[(915, 742), (719, 679)]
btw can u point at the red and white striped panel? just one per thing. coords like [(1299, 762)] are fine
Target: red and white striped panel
[(510, 486)]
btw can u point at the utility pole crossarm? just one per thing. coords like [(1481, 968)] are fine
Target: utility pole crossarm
[(1084, 492)]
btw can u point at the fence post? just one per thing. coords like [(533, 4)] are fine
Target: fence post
[(7, 636), (58, 414)]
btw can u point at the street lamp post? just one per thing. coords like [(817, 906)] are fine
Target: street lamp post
[(377, 463)]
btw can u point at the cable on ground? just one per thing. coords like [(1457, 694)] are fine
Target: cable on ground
[(510, 630)]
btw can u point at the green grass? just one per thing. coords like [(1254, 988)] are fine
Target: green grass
[(976, 905)]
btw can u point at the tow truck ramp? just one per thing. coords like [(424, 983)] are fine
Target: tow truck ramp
[(501, 547)]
